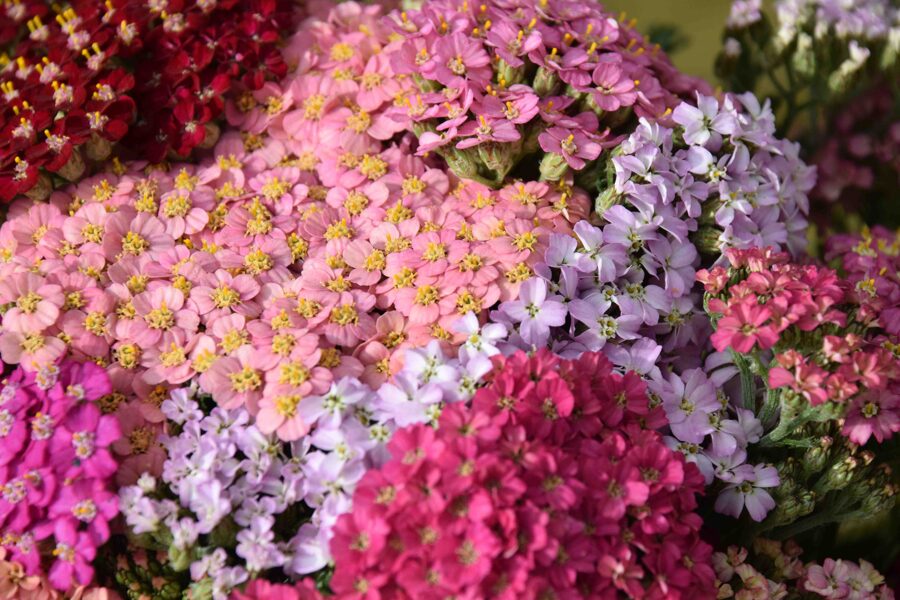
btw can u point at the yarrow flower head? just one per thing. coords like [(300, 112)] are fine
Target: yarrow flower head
[(56, 505), (496, 500)]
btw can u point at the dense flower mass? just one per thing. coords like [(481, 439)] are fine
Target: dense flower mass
[(548, 483), (456, 299), (228, 484), (66, 96), (498, 82), (55, 470), (775, 570), (830, 342)]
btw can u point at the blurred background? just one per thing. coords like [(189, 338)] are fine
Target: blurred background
[(699, 25)]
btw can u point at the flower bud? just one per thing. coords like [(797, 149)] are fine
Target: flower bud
[(891, 50), (41, 189), (499, 158), (553, 167), (816, 458), (97, 148), (512, 75), (461, 162), (180, 559), (74, 167), (211, 136), (545, 82), (707, 240), (839, 476), (843, 78), (201, 590)]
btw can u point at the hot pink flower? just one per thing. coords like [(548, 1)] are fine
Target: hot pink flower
[(743, 326)]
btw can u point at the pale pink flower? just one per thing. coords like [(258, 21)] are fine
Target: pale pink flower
[(36, 302), (160, 310), (236, 380)]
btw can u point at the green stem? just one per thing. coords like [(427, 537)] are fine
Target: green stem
[(748, 381)]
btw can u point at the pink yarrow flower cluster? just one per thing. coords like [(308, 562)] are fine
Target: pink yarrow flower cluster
[(772, 569), (548, 483), (304, 251), (55, 471), (498, 81), (828, 342)]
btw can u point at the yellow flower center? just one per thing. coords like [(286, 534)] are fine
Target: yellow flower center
[(275, 188), (173, 357), (413, 185), (330, 358), (274, 105), (470, 262), (339, 284), (308, 308), (344, 314), (28, 303), (398, 213), (245, 380), (427, 295), (95, 322), (287, 405), (92, 233), (140, 440), (338, 229), (398, 244), (137, 283), (223, 296), (257, 262), (32, 343), (299, 247), (74, 300), (134, 244), (405, 278), (394, 339), (467, 302), (203, 361), (233, 340), (521, 272), (283, 343), (185, 181), (434, 252), (313, 107), (359, 121), (373, 167), (341, 52), (160, 318), (525, 241), (293, 373), (375, 261)]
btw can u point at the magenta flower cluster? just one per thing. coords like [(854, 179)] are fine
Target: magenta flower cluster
[(55, 470), (547, 483)]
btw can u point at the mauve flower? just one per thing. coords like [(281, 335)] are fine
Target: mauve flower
[(534, 312), (688, 401), (613, 87), (749, 489), (704, 121), (575, 146)]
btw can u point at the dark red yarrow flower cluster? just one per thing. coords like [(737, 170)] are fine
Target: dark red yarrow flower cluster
[(548, 485), (832, 337), (87, 75), (56, 470)]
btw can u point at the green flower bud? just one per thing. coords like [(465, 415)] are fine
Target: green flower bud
[(843, 78), (891, 50), (225, 534), (840, 475), (707, 241), (42, 188), (553, 167), (202, 590), (180, 559), (816, 459), (511, 75), (545, 82), (499, 158), (461, 162), (606, 200), (97, 148)]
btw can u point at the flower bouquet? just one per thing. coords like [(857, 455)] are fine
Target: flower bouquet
[(446, 300)]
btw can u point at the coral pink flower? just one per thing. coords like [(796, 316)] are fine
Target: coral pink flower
[(743, 326), (278, 413), (876, 413), (236, 380)]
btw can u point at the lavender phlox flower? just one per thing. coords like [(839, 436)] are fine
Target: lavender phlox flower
[(688, 401), (331, 408), (607, 259), (704, 122), (256, 545), (640, 357), (749, 490), (307, 553), (478, 338), (535, 312)]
